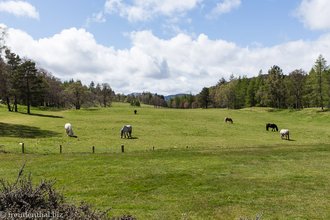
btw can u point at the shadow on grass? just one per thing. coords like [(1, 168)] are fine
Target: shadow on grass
[(131, 138), (324, 110), (42, 115), (91, 109), (23, 131), (274, 110)]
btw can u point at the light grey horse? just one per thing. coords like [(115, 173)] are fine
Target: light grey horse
[(126, 131), (285, 134), (69, 130)]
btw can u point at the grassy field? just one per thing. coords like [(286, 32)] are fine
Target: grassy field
[(200, 168)]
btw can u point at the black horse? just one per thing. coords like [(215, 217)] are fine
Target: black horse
[(229, 120), (272, 126)]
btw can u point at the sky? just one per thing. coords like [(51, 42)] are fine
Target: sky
[(166, 46)]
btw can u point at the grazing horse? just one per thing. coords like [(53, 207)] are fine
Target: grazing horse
[(272, 126), (285, 134), (69, 130), (126, 131), (229, 120)]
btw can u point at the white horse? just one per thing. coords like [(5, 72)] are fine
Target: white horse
[(285, 134), (69, 130), (126, 131)]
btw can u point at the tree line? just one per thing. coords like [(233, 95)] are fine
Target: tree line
[(275, 89), (23, 83)]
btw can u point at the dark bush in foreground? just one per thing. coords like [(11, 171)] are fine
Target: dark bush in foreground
[(22, 200)]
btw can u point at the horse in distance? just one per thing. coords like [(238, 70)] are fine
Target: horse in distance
[(272, 126), (126, 131), (69, 130), (229, 120), (285, 134)]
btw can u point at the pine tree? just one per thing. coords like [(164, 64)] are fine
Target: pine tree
[(13, 62), (29, 84), (204, 97), (320, 68), (275, 87), (295, 85)]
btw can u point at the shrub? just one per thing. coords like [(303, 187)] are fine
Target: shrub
[(24, 201)]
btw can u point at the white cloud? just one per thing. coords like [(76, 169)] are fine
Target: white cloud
[(314, 14), (19, 8), (97, 17), (142, 10), (225, 6), (173, 10), (179, 64)]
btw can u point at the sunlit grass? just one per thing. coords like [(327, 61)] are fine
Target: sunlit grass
[(200, 168)]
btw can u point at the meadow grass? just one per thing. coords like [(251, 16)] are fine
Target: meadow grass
[(200, 168)]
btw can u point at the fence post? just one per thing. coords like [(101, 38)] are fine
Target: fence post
[(22, 148), (60, 149), (122, 148), (93, 148)]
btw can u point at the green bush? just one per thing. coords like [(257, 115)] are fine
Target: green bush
[(22, 200)]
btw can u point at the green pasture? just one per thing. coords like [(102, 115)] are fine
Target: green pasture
[(180, 164)]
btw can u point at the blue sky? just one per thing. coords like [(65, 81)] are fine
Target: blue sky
[(167, 46)]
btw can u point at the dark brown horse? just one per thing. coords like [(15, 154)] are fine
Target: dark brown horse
[(229, 120)]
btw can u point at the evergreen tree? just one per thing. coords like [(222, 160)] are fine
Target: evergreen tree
[(320, 68), (275, 87), (204, 97), (106, 94), (30, 85), (311, 96), (251, 91), (295, 85), (13, 62), (4, 84), (241, 92)]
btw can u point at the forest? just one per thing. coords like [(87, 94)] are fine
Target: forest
[(295, 90)]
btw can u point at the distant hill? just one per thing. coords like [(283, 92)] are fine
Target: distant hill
[(168, 97)]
